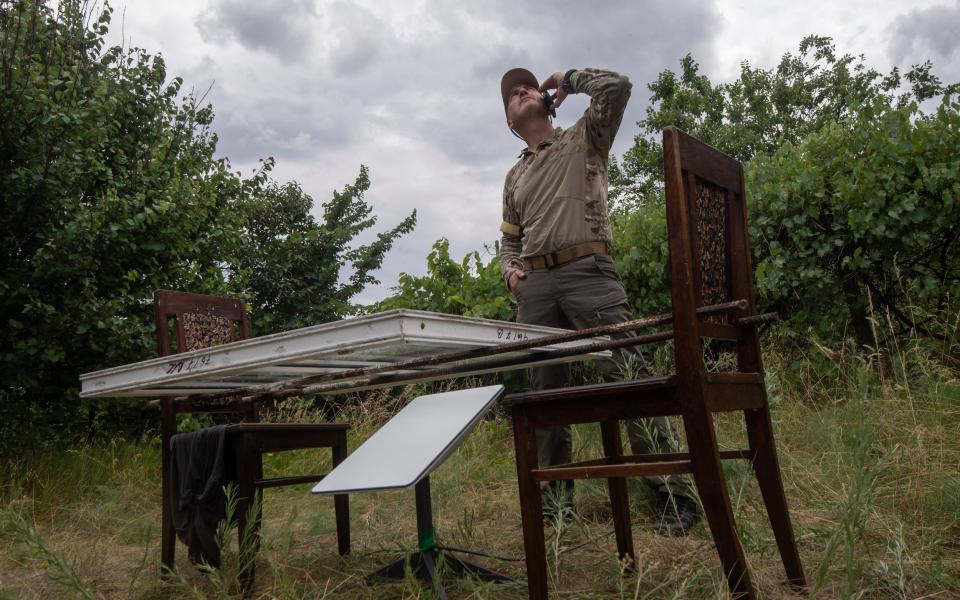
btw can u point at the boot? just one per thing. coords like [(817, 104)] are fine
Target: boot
[(677, 514)]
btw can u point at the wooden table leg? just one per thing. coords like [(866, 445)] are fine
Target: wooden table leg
[(168, 537), (341, 502)]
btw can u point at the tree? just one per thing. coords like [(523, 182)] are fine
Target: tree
[(809, 103), (762, 109), (293, 264), (109, 190)]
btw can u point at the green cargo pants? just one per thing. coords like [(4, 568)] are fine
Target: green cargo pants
[(580, 294)]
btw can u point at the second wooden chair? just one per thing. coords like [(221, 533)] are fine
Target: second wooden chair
[(201, 321)]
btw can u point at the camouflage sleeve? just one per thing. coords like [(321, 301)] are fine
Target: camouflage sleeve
[(510, 242), (609, 93)]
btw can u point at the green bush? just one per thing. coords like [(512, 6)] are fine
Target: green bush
[(471, 288)]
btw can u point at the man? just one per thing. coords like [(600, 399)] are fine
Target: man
[(554, 251)]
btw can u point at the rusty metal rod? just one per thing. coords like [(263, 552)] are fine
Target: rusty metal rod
[(758, 319), (450, 372), (484, 352), (475, 368), (443, 372)]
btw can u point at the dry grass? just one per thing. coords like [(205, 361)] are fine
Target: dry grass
[(870, 462)]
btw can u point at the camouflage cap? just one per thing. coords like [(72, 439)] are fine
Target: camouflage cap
[(512, 78)]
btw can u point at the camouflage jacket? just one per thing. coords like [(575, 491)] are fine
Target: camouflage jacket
[(556, 196)]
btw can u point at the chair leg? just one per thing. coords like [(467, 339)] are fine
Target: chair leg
[(341, 502), (617, 487), (712, 487), (249, 469), (168, 537), (249, 466), (767, 469), (531, 507)]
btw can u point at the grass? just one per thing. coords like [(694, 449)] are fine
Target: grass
[(870, 461)]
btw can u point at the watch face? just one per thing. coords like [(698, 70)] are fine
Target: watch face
[(567, 85)]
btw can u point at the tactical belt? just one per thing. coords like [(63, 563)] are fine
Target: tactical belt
[(563, 256)]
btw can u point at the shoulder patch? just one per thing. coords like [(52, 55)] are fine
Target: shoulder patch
[(510, 228)]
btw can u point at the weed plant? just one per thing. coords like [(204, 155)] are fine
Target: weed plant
[(868, 449)]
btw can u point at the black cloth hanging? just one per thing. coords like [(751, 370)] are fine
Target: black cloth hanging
[(199, 503)]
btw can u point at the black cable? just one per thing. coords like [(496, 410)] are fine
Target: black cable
[(592, 540), (588, 542), (485, 554)]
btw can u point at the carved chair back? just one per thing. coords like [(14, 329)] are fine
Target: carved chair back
[(200, 321), (709, 249)]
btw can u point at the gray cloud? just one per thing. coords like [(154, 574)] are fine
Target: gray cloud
[(629, 34), (435, 76), (458, 66), (245, 140), (929, 34), (417, 99), (359, 38), (412, 89), (280, 27)]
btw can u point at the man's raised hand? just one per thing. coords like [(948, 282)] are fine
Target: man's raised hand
[(555, 82)]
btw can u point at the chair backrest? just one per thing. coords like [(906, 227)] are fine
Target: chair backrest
[(200, 321), (709, 247)]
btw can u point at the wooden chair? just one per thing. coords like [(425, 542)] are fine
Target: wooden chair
[(201, 321), (709, 265)]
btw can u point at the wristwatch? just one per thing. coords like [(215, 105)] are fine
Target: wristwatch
[(567, 85)]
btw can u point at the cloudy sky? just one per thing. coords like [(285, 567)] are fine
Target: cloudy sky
[(411, 89)]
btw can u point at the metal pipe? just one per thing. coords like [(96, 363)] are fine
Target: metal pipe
[(758, 319), (453, 371), (625, 327)]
